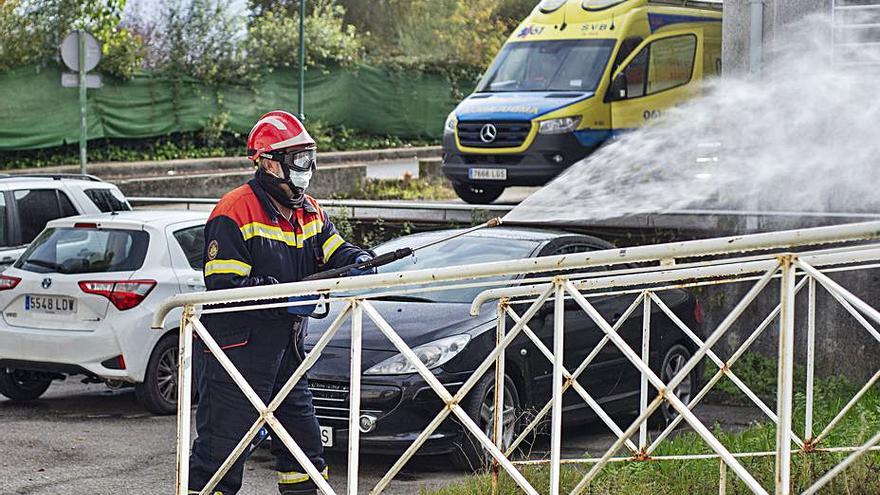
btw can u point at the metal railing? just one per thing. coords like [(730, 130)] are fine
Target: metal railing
[(855, 25), (756, 259)]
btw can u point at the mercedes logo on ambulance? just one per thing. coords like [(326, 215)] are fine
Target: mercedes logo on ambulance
[(488, 133), (47, 282)]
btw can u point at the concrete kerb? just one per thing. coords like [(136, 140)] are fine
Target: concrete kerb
[(332, 181), (166, 168)]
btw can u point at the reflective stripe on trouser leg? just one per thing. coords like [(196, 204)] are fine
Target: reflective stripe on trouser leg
[(294, 477)]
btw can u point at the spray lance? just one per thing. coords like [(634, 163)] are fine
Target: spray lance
[(386, 258)]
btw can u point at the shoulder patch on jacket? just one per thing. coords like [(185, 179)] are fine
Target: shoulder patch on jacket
[(213, 249)]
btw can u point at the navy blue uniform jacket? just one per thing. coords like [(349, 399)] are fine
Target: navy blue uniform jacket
[(247, 241)]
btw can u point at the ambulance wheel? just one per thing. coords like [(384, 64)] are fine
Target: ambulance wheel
[(477, 194), (20, 385), (158, 392)]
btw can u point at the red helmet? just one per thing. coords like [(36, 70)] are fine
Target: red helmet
[(275, 131)]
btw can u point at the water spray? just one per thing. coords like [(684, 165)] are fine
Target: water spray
[(393, 256)]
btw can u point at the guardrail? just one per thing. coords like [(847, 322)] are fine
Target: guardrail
[(757, 259)]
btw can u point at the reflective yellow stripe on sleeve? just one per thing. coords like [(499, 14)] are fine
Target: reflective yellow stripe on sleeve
[(235, 267), (256, 229), (331, 245), (294, 477)]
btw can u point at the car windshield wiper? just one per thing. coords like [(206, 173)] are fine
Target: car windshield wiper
[(402, 298), (45, 264)]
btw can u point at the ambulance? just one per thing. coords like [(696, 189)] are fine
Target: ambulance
[(570, 77)]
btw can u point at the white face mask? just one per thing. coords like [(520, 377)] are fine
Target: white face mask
[(300, 179)]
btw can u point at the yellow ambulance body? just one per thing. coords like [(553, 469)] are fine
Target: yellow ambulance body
[(572, 75)]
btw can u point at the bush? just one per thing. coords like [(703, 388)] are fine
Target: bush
[(273, 37)]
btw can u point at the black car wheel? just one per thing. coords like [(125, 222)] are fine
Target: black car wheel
[(480, 406), (673, 361), (22, 385), (158, 392), (477, 194)]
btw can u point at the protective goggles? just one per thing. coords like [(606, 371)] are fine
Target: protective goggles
[(299, 161)]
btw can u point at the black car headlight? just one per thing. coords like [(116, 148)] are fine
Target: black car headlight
[(432, 354)]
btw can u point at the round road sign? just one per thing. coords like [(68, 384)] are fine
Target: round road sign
[(70, 51)]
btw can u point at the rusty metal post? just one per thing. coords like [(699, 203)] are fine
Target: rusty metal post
[(184, 398), (643, 392), (785, 377), (556, 414), (498, 416), (354, 396), (811, 361)]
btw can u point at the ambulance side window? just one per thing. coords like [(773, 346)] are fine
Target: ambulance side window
[(626, 47), (671, 63), (636, 74), (661, 65)]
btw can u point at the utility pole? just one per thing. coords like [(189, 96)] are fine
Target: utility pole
[(302, 58)]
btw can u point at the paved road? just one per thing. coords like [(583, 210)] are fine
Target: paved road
[(88, 440)]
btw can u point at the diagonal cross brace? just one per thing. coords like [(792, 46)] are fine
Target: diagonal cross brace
[(724, 368), (266, 411), (663, 387), (449, 400), (571, 381), (759, 330)]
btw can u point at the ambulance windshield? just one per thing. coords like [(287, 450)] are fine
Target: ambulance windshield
[(557, 65)]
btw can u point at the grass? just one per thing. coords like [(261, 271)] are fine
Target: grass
[(402, 189), (699, 477)]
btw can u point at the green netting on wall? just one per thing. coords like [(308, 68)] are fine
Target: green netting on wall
[(36, 112)]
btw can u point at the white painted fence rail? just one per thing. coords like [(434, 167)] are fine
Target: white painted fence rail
[(790, 259)]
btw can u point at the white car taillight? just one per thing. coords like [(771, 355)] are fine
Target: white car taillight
[(124, 294), (7, 282)]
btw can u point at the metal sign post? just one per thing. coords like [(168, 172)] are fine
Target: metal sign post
[(81, 52), (82, 102), (302, 58)]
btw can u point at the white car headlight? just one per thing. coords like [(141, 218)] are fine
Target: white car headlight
[(559, 126), (432, 354), (451, 122), (551, 5)]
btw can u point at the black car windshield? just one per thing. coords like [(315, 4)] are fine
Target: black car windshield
[(85, 250), (558, 65), (464, 250)]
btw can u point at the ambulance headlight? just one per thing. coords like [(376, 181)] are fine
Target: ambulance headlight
[(600, 4), (451, 122), (551, 5), (432, 355), (559, 126)]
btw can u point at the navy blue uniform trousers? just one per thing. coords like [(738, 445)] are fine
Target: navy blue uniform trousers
[(266, 352)]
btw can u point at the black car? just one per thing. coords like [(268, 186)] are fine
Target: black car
[(397, 404)]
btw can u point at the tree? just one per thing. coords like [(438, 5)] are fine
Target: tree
[(32, 30)]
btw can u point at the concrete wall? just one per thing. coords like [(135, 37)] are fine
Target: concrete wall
[(737, 25), (331, 181)]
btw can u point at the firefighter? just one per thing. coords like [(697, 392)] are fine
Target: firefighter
[(267, 231)]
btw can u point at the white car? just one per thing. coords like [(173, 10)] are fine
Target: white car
[(80, 299), (28, 201)]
